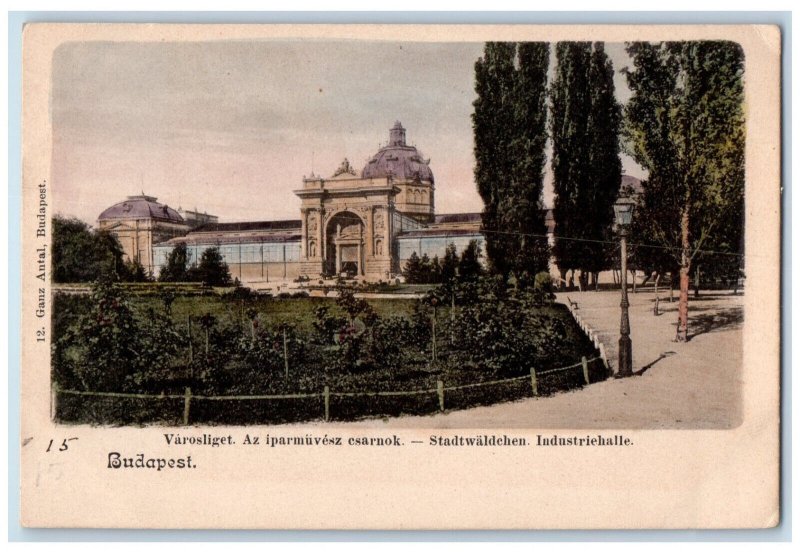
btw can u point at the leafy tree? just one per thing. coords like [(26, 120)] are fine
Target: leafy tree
[(605, 166), (469, 266), (212, 269), (435, 274), (685, 125), (569, 119), (522, 211), (449, 264), (175, 268), (109, 348), (413, 269), (426, 268), (509, 125), (543, 288), (133, 271), (585, 125), (81, 254)]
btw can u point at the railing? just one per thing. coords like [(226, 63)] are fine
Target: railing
[(441, 391)]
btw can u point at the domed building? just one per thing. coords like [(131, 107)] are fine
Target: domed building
[(139, 223), (409, 172), (364, 223), (358, 223)]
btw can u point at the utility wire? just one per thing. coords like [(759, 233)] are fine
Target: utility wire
[(613, 242)]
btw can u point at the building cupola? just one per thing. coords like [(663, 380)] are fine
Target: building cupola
[(397, 135)]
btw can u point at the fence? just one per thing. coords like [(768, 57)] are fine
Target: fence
[(188, 408)]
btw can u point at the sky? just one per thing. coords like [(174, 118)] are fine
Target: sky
[(232, 127)]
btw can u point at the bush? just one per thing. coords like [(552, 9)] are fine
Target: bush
[(109, 342), (212, 269), (543, 289), (240, 293), (108, 348)]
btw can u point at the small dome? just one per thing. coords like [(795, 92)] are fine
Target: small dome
[(397, 159), (141, 207)]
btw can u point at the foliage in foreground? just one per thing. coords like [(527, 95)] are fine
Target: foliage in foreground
[(109, 342)]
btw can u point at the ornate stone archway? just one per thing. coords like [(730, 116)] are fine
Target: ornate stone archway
[(345, 233)]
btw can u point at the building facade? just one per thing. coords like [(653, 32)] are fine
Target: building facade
[(139, 223), (350, 222), (365, 224)]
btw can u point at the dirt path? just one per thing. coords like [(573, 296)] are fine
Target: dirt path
[(677, 385)]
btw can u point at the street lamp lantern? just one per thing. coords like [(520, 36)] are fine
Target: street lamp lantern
[(623, 212)]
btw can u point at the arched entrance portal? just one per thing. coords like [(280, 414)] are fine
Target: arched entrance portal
[(344, 244)]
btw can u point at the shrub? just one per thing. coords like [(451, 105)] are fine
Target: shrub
[(212, 269), (543, 289), (108, 348), (240, 293)]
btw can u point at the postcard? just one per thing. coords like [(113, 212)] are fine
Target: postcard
[(400, 276)]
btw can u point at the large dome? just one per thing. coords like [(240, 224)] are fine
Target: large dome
[(398, 160), (141, 207)]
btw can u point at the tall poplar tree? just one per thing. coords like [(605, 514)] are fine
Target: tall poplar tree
[(522, 210), (509, 124), (492, 121), (570, 107), (587, 170), (605, 167), (685, 125)]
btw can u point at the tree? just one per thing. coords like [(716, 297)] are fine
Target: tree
[(509, 125), (435, 274), (685, 125), (569, 116), (469, 266), (413, 269), (449, 264), (521, 209), (585, 126), (211, 270), (605, 166), (133, 271), (175, 268), (81, 254)]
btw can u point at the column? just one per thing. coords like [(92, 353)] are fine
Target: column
[(361, 251), (370, 238), (303, 234), (321, 247), (387, 233)]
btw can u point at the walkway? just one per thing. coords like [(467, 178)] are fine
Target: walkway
[(676, 385)]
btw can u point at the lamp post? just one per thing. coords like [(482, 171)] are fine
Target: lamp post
[(623, 212)]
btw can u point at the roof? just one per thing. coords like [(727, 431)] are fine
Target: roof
[(250, 225), (141, 207), (398, 160), (457, 218), (436, 232), (214, 239)]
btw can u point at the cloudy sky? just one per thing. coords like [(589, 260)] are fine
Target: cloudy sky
[(232, 127)]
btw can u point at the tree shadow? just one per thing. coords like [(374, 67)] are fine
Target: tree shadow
[(724, 319)]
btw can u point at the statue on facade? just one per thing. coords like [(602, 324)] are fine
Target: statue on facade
[(345, 168)]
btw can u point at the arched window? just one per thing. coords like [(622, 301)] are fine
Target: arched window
[(416, 196), (379, 247)]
